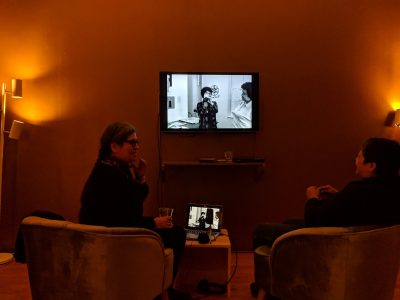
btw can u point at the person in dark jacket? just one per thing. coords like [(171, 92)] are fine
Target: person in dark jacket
[(114, 193), (207, 110), (374, 199)]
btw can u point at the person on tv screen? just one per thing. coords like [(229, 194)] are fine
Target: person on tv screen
[(114, 193), (243, 112), (202, 221), (207, 110)]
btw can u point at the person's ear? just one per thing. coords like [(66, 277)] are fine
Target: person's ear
[(372, 167), (113, 147)]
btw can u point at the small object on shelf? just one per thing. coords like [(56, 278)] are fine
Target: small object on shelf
[(248, 159), (223, 160), (207, 160), (228, 155)]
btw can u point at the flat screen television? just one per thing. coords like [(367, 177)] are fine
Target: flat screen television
[(209, 102)]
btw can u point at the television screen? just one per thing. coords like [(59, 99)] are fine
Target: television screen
[(209, 102)]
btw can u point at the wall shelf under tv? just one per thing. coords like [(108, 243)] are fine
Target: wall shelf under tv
[(258, 165)]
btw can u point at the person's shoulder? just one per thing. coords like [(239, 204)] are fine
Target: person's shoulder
[(103, 165), (356, 182), (396, 179), (373, 183), (369, 180), (106, 168), (356, 186), (394, 183), (381, 180)]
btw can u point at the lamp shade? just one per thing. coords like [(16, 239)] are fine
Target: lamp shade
[(16, 129), (16, 88)]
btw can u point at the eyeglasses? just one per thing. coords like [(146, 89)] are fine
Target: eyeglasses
[(132, 142)]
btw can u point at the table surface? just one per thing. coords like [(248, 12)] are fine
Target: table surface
[(222, 241)]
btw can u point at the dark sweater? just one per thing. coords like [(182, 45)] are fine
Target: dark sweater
[(112, 198), (368, 201)]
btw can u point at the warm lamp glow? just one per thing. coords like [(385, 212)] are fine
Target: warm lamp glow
[(396, 104), (44, 104), (34, 59), (36, 112)]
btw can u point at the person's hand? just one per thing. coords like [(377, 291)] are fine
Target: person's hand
[(327, 189), (319, 192), (163, 222), (139, 168), (312, 192)]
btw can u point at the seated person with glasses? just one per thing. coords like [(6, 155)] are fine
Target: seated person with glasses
[(114, 193)]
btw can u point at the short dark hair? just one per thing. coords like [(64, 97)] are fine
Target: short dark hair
[(117, 132), (205, 89), (248, 87), (385, 153)]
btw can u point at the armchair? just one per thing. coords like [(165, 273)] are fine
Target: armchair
[(74, 261), (358, 263)]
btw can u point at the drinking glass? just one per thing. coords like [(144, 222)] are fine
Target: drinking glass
[(165, 212)]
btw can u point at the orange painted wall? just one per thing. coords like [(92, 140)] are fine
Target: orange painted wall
[(329, 73)]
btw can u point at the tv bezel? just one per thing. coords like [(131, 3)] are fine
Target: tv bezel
[(163, 110)]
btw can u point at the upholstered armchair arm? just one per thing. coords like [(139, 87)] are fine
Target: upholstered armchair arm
[(307, 257), (335, 263), (76, 261)]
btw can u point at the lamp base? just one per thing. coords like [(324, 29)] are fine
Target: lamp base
[(5, 258)]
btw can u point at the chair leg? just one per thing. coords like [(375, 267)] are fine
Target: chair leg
[(261, 294), (254, 289), (164, 295)]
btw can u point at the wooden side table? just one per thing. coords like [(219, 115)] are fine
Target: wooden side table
[(205, 261)]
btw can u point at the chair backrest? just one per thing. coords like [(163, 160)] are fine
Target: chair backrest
[(336, 263), (75, 261), (19, 249)]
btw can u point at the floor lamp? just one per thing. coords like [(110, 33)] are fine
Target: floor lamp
[(14, 133)]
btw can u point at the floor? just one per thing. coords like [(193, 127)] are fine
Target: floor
[(14, 282)]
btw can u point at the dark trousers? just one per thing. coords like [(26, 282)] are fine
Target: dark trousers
[(174, 238), (267, 233)]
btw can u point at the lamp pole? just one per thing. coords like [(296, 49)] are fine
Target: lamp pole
[(4, 257), (16, 92), (3, 117)]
